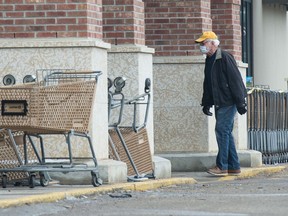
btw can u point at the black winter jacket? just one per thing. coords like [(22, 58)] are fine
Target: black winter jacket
[(227, 84)]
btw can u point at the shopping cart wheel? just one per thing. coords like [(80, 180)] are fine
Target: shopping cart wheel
[(96, 181), (43, 180), (31, 180), (4, 180)]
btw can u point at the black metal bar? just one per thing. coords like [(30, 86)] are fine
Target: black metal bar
[(35, 149), (14, 146)]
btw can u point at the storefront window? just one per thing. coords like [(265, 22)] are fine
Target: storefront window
[(247, 35)]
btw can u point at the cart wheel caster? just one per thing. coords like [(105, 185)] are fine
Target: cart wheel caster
[(32, 180), (96, 181), (43, 181), (4, 181)]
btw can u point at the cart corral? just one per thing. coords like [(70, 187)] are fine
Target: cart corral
[(268, 124)]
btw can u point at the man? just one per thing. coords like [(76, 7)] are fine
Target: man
[(223, 87)]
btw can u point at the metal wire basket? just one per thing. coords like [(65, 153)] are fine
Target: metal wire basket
[(60, 104)]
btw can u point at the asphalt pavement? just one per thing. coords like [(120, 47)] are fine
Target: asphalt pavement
[(23, 195)]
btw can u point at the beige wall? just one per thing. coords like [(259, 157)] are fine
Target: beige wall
[(270, 45), (179, 124), (178, 121)]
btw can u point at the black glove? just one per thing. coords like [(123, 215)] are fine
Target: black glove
[(206, 110), (241, 109)]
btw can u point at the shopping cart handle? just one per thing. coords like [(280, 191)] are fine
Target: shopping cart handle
[(135, 102), (138, 98)]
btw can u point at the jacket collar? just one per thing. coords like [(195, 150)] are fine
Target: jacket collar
[(218, 54)]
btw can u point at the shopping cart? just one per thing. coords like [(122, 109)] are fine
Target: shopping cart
[(130, 144), (59, 103)]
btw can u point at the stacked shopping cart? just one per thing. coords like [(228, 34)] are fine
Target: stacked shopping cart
[(268, 124), (60, 102)]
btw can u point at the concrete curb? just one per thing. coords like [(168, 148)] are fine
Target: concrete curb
[(56, 196), (132, 186)]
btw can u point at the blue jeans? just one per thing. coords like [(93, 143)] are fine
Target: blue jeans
[(227, 157)]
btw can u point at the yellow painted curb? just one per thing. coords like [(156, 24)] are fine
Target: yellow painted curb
[(133, 186), (255, 171), (142, 186), (251, 172)]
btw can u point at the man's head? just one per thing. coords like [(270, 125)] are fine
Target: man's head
[(208, 42)]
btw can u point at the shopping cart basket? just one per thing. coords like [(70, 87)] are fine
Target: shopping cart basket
[(59, 103)]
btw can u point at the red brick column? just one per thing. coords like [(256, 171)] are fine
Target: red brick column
[(173, 26), (227, 24), (123, 22), (51, 18)]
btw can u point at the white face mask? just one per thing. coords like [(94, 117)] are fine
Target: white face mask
[(204, 49)]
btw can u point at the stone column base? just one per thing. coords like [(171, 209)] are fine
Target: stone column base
[(191, 162), (110, 171)]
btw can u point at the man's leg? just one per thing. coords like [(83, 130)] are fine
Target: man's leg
[(233, 161), (224, 126)]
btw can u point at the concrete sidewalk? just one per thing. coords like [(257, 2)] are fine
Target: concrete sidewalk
[(21, 195)]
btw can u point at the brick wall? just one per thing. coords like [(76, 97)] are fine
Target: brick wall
[(170, 26), (227, 25), (173, 25), (123, 22), (50, 18)]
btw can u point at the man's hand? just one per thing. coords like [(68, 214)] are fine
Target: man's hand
[(241, 109), (206, 110)]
